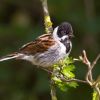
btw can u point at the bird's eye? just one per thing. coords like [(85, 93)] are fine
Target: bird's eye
[(62, 32)]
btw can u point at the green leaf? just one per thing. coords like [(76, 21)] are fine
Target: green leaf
[(64, 69), (67, 71), (70, 67), (73, 84), (57, 80), (68, 60), (63, 86)]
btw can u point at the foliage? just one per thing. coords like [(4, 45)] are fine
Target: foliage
[(62, 72)]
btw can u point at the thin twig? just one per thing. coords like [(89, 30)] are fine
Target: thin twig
[(89, 78), (95, 61), (85, 59), (47, 70), (76, 59), (71, 80)]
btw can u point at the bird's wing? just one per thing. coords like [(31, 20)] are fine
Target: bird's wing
[(41, 44)]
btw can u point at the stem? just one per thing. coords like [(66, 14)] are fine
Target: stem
[(47, 20), (49, 30), (95, 61), (45, 7), (96, 93), (71, 80), (53, 91), (89, 78)]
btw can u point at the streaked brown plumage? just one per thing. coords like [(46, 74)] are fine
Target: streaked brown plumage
[(39, 45)]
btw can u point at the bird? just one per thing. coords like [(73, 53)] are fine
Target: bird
[(47, 49)]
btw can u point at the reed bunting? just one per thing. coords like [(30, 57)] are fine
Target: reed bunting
[(47, 49)]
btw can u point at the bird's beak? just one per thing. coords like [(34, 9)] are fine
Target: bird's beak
[(71, 35)]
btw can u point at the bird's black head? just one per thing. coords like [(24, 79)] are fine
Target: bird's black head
[(65, 29)]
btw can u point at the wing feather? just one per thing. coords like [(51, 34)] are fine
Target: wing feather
[(41, 44)]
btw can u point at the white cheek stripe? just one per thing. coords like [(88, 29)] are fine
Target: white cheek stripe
[(55, 34), (66, 36)]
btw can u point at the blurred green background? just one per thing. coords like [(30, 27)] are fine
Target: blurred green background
[(21, 21)]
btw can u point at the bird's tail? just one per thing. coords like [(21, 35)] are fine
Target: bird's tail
[(10, 56)]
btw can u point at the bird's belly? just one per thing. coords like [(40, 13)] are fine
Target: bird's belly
[(49, 57)]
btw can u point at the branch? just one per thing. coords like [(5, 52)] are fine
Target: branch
[(47, 20), (45, 7), (93, 83), (53, 91), (49, 30), (89, 78), (95, 61), (71, 80)]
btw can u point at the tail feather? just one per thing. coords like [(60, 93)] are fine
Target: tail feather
[(10, 56)]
